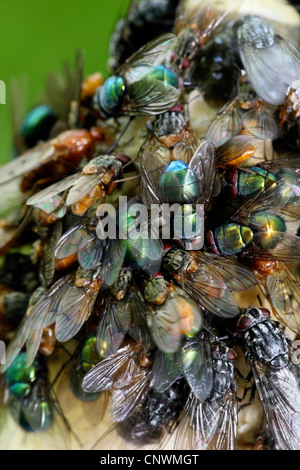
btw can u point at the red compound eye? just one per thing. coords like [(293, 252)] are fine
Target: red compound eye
[(166, 248), (244, 323), (178, 108), (213, 350), (231, 355), (157, 275), (185, 64), (265, 312)]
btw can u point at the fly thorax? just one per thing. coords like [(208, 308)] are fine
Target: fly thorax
[(223, 370), (156, 291), (120, 287), (104, 161), (265, 342), (175, 260), (223, 376), (169, 123), (256, 32)]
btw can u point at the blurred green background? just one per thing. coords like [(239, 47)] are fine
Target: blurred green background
[(37, 37)]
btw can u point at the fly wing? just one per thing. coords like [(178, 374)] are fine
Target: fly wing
[(278, 390), (208, 425), (70, 241), (83, 186), (152, 168), (163, 325), (32, 345), (203, 164), (110, 332), (166, 369), (147, 58), (271, 70), (120, 367), (127, 398), (112, 262), (261, 123), (27, 162), (283, 289), (217, 422), (52, 190), (209, 289), (197, 367), (47, 265), (74, 310), (227, 123), (44, 312), (148, 97), (90, 252), (236, 276), (16, 344), (138, 329), (235, 151)]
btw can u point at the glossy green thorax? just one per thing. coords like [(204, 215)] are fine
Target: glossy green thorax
[(37, 125), (270, 227), (89, 355), (232, 238), (89, 358), (179, 184), (156, 289), (165, 75), (110, 95), (19, 376), (250, 183)]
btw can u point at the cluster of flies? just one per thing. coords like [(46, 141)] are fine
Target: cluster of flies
[(155, 323)]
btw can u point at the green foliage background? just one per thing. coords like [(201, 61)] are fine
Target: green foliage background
[(36, 37)]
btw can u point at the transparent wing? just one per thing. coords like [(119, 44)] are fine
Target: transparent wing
[(27, 162), (74, 310), (47, 264), (112, 262), (90, 252), (117, 368), (111, 332), (209, 425), (141, 63), (166, 369), (203, 164), (235, 151), (149, 97), (70, 241), (44, 312), (261, 123), (82, 187), (16, 344), (235, 276), (271, 70), (278, 390), (197, 367), (127, 399), (52, 190), (163, 323), (284, 294), (210, 290), (152, 167), (227, 123)]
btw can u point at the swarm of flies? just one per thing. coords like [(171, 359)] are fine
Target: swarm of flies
[(172, 333)]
